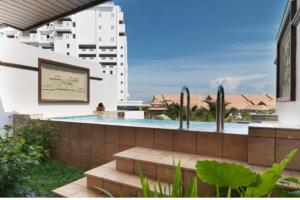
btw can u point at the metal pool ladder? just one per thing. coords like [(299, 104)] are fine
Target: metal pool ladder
[(220, 108), (184, 90)]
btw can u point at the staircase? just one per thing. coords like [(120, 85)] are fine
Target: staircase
[(120, 177)]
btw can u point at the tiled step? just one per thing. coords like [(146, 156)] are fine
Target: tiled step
[(118, 183), (161, 164), (157, 164), (77, 189)]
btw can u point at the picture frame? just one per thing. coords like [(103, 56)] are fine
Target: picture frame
[(62, 83)]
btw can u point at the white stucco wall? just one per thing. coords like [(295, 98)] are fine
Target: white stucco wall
[(289, 112), (19, 88)]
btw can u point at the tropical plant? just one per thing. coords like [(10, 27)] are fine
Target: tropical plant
[(173, 111), (243, 181), (202, 114), (269, 178), (229, 175), (281, 190), (177, 190)]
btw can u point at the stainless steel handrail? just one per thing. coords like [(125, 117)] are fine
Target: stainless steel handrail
[(184, 90), (220, 109)]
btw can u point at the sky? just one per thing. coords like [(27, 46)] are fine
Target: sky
[(201, 44)]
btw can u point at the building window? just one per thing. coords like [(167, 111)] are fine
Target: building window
[(121, 82), (68, 53), (74, 24), (68, 46), (74, 36), (100, 14), (100, 27), (122, 91), (286, 58), (104, 71), (111, 72), (121, 47), (121, 74), (122, 64), (122, 55), (100, 39), (112, 27)]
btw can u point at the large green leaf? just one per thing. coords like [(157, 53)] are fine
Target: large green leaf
[(225, 174), (268, 179)]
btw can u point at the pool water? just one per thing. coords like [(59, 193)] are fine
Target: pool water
[(239, 128)]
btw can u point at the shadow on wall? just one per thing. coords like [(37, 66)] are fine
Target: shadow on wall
[(6, 118)]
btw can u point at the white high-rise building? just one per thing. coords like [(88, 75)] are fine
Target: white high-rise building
[(96, 34)]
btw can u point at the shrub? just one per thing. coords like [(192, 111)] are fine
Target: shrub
[(21, 149), (16, 157), (37, 133)]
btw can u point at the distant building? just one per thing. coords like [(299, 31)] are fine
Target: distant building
[(245, 102), (96, 35), (242, 102)]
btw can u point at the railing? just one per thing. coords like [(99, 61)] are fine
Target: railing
[(183, 91), (220, 108)]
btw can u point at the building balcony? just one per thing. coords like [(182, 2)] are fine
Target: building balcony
[(107, 59), (44, 41), (65, 36), (30, 39), (46, 29), (63, 26), (121, 28), (87, 51), (107, 51)]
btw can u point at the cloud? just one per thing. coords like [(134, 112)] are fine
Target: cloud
[(241, 67), (232, 83)]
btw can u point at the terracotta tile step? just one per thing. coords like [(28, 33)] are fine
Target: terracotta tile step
[(161, 164), (76, 189), (118, 183)]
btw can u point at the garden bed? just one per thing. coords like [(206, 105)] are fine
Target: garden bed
[(45, 177)]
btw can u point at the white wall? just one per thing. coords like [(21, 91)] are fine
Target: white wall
[(289, 112), (19, 88)]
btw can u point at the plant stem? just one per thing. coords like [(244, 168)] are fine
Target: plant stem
[(229, 192), (218, 191), (239, 191)]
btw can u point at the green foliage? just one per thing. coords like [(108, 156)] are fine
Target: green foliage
[(176, 191), (245, 182), (173, 111), (45, 177), (192, 190), (16, 157), (269, 178), (225, 175), (209, 114), (177, 186), (20, 150), (37, 133), (201, 114)]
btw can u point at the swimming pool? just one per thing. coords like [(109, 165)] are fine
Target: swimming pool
[(238, 128)]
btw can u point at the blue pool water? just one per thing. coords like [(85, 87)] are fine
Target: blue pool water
[(238, 128)]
